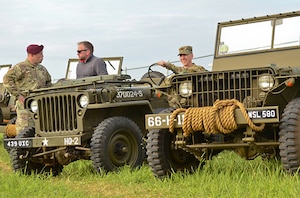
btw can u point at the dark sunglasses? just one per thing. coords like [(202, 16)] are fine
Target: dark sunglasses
[(79, 51)]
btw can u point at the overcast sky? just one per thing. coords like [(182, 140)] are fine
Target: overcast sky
[(142, 31)]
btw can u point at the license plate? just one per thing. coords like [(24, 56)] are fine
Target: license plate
[(257, 115), (17, 143), (263, 114), (163, 120)]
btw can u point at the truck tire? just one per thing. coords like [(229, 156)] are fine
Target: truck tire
[(117, 141), (289, 136), (163, 158), (27, 166)]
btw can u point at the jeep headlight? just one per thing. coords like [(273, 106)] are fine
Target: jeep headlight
[(34, 106), (83, 101), (185, 89), (266, 82)]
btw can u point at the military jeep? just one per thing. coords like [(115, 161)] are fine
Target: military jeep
[(248, 103), (98, 118), (7, 101)]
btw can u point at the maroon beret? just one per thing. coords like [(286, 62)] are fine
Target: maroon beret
[(34, 49)]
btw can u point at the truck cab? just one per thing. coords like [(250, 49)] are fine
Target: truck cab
[(248, 103)]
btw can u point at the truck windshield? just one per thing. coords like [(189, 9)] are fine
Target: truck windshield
[(251, 37)]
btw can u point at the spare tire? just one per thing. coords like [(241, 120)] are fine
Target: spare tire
[(153, 74)]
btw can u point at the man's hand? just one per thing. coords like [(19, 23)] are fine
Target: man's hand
[(162, 63), (21, 99)]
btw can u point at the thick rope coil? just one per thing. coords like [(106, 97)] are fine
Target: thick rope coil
[(173, 117), (218, 118), (11, 130)]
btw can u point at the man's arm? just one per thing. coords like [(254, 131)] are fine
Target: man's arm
[(169, 66), (100, 67), (9, 81)]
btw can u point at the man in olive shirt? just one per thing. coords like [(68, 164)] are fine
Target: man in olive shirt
[(89, 65), (186, 57), (25, 76)]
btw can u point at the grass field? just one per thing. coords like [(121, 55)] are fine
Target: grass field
[(226, 175)]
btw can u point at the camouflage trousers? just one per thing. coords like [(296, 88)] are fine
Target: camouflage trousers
[(23, 118)]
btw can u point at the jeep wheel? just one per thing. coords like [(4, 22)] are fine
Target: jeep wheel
[(22, 162), (117, 141), (163, 158), (289, 136)]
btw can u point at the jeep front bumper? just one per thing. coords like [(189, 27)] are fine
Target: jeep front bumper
[(258, 115)]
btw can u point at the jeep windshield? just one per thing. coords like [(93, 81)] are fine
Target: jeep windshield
[(258, 41), (3, 71), (243, 38), (113, 65)]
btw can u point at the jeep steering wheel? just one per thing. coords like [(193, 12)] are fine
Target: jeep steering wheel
[(155, 74)]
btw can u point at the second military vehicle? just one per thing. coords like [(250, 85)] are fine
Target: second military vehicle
[(7, 101), (249, 102)]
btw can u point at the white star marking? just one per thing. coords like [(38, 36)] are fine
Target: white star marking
[(45, 142)]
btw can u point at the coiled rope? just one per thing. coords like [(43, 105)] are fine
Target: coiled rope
[(216, 119)]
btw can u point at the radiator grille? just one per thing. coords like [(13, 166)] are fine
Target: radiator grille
[(208, 87), (57, 113)]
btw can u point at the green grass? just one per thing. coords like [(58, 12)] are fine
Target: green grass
[(226, 175)]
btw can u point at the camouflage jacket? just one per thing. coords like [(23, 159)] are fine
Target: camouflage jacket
[(24, 76), (181, 69)]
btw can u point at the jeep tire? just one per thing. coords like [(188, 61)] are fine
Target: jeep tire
[(289, 136), (116, 142), (27, 165), (163, 158)]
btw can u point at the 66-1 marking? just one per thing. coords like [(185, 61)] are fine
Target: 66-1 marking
[(160, 120)]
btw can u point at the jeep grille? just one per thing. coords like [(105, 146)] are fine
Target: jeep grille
[(208, 87), (57, 113)]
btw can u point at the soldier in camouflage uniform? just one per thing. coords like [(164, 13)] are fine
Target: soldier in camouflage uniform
[(25, 76), (186, 57)]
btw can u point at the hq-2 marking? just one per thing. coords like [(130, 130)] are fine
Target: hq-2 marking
[(71, 141)]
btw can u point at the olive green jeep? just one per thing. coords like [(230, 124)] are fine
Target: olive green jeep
[(98, 118), (7, 101), (248, 103)]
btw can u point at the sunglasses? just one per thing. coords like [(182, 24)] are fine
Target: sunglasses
[(79, 51)]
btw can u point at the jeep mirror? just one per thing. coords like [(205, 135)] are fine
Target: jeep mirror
[(113, 66)]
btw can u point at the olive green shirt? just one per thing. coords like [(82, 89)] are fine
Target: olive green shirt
[(181, 69), (24, 76)]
